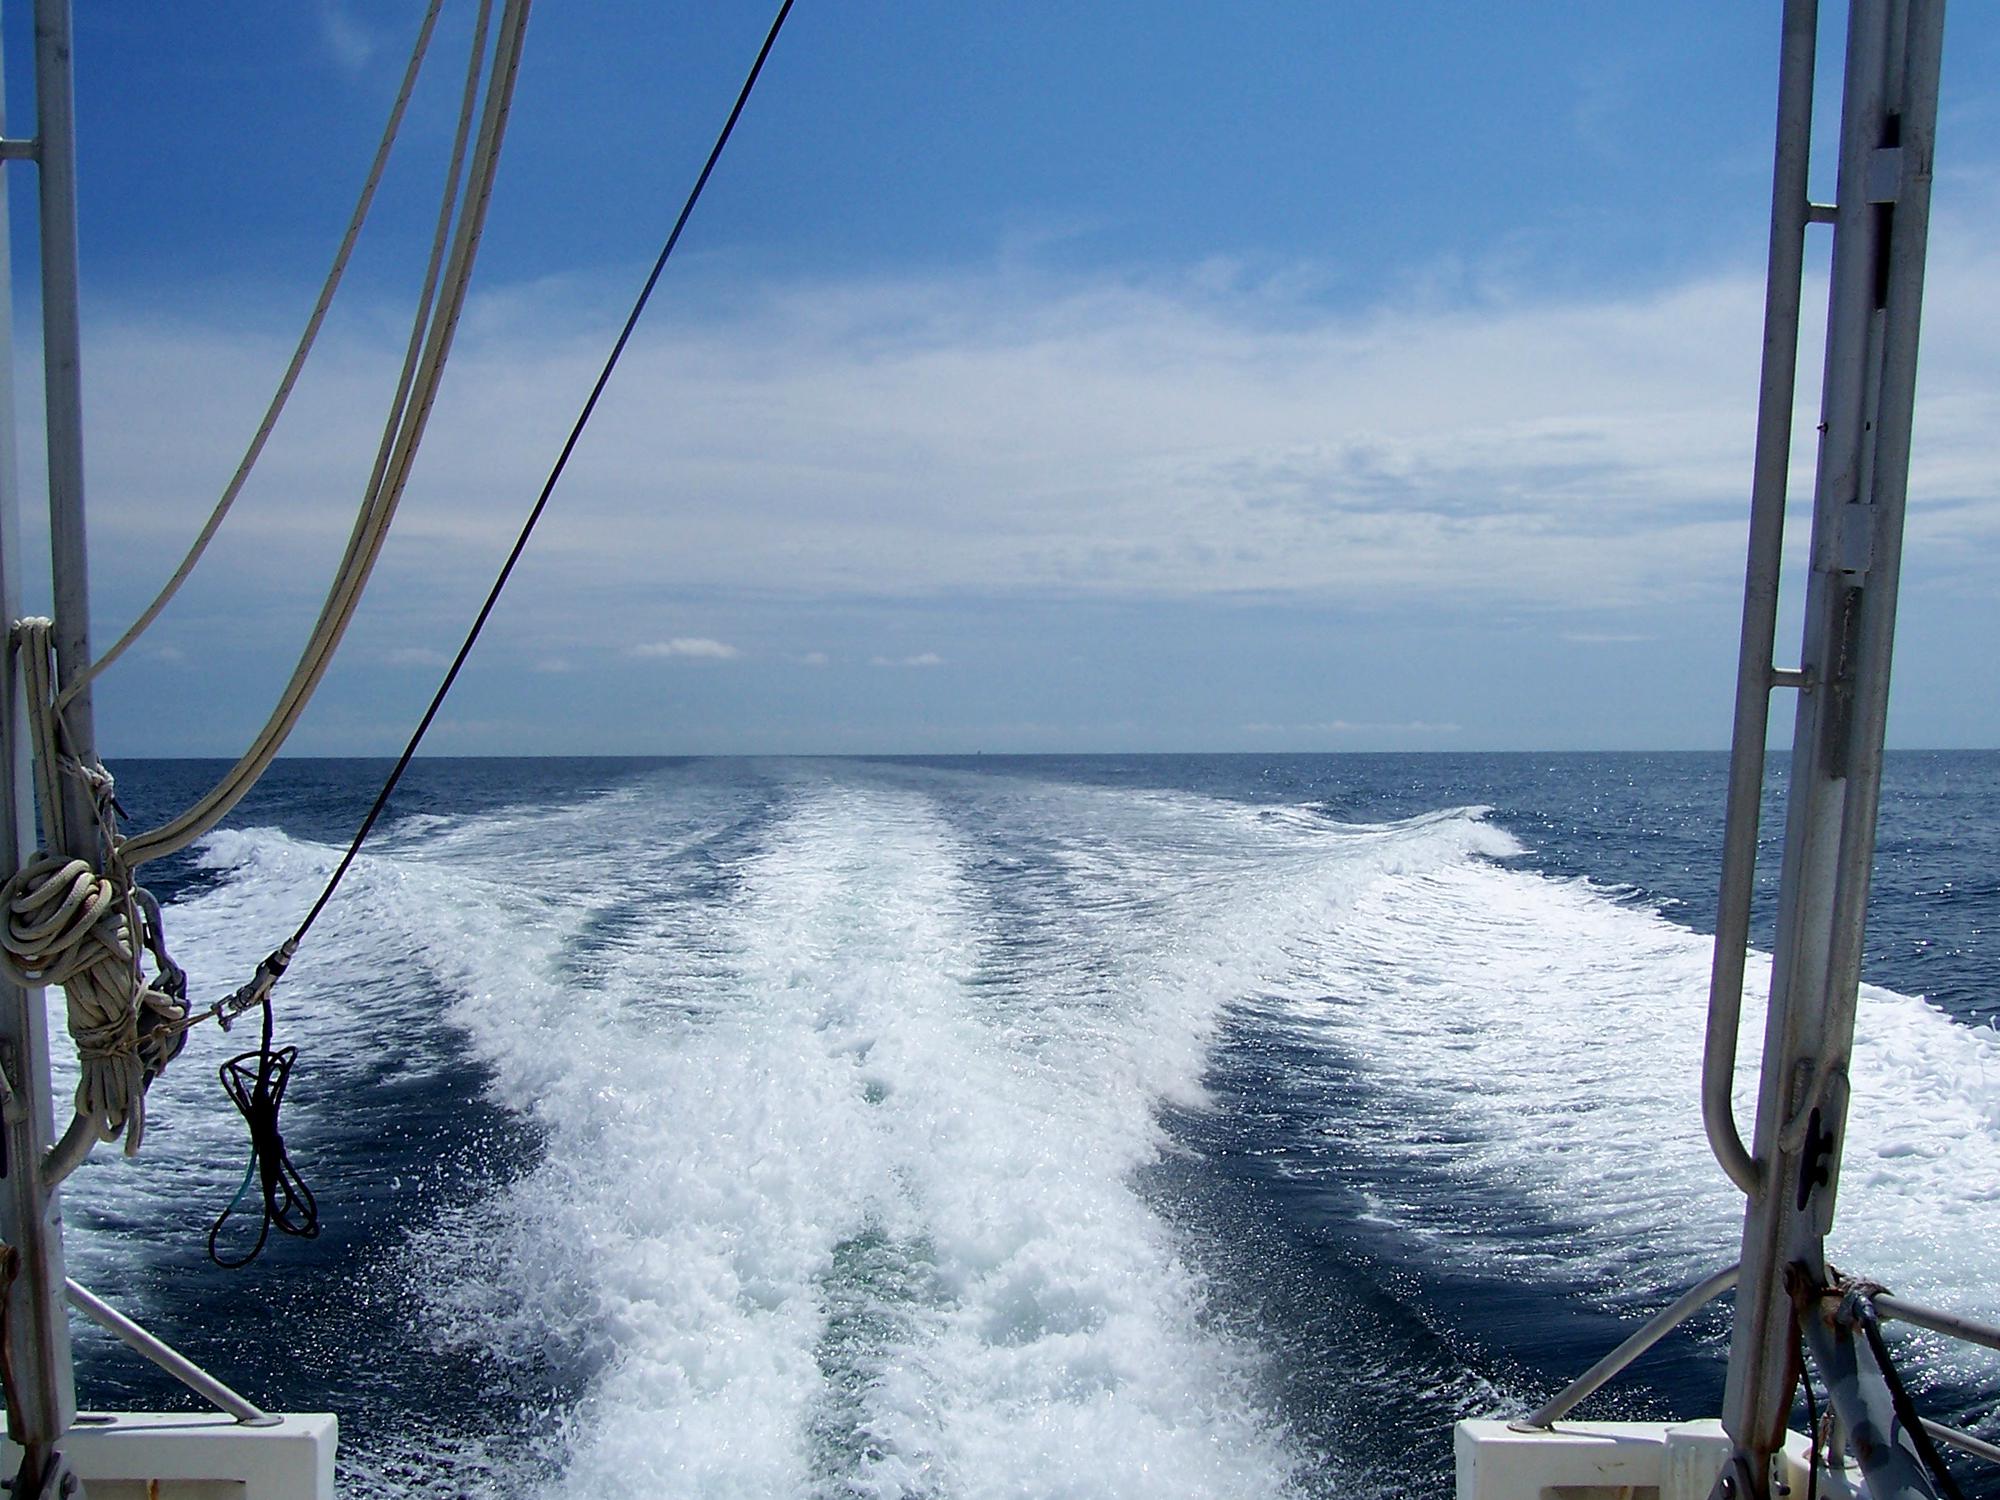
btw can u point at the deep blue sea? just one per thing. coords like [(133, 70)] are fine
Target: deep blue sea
[(1110, 1126)]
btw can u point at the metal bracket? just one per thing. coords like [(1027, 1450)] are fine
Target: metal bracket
[(67, 1154), (12, 149), (58, 1481), (1737, 1481), (1829, 1317), (1855, 542), (1885, 174)]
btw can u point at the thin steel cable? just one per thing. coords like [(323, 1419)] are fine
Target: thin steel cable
[(292, 371), (548, 489)]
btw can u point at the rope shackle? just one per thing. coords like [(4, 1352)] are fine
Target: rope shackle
[(258, 990)]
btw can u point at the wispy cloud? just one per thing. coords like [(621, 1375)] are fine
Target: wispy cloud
[(1019, 435), (1158, 439), (921, 659), (347, 40), (697, 647), (1418, 727)]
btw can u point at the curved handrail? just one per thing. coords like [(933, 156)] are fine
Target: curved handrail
[(1791, 211)]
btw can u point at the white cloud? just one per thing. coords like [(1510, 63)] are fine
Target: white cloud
[(1348, 726), (416, 656), (921, 659), (699, 647), (1000, 434), (347, 40)]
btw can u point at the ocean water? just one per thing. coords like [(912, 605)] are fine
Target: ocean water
[(1113, 1126)]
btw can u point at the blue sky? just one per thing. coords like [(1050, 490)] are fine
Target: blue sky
[(1033, 376)]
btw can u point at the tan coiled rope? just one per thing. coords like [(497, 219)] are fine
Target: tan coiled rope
[(68, 922)]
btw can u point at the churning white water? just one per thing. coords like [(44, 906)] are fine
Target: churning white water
[(843, 1086)]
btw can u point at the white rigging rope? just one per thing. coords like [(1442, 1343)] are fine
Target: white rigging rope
[(81, 922), (292, 371), (408, 418)]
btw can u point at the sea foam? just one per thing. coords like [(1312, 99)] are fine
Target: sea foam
[(843, 1082)]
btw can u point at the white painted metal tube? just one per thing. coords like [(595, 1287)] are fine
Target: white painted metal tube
[(1976, 1446), (168, 1358), (63, 372), (1951, 1325), (36, 1326), (1755, 677), (1663, 1322)]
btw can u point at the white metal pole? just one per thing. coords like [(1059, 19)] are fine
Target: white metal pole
[(63, 374), (42, 1397), (1756, 673), (1887, 134)]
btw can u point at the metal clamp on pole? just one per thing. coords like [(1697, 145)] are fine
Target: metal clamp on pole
[(258, 990)]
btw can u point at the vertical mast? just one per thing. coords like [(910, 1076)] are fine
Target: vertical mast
[(1880, 221), (63, 374), (42, 1394)]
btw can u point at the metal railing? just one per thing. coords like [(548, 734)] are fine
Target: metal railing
[(1964, 1441), (1663, 1322), (1951, 1325), (168, 1358), (1698, 1296)]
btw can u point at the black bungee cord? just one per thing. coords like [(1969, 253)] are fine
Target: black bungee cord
[(255, 1081)]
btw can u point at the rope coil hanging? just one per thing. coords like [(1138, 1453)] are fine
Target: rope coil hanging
[(83, 926)]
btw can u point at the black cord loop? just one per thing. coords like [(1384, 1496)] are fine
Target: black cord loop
[(255, 1083)]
